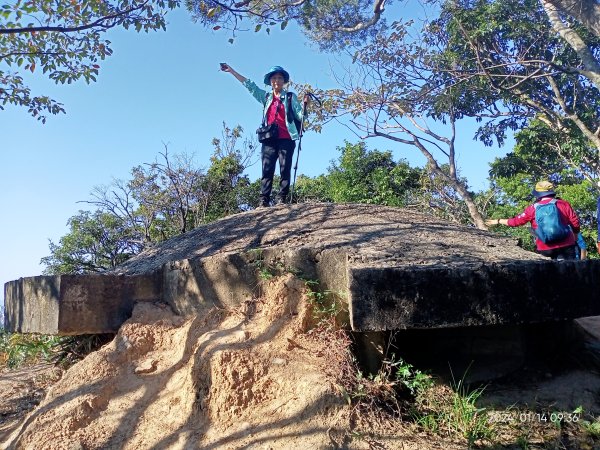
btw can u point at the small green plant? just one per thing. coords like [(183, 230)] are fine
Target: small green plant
[(591, 427), (454, 410), (266, 271), (466, 418), (415, 380), (523, 442), (70, 349), (429, 422), (18, 349), (376, 392), (326, 304)]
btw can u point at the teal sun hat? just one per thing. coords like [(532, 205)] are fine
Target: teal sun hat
[(274, 70)]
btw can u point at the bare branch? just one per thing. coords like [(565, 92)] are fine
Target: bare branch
[(378, 8)]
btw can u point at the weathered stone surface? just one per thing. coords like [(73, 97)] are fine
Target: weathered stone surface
[(368, 234), (396, 268), (193, 286), (31, 305), (76, 304), (473, 295), (101, 303)]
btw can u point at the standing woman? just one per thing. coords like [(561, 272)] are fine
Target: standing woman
[(275, 109)]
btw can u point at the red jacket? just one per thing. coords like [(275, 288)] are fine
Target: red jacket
[(567, 215)]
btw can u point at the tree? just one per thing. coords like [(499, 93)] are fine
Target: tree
[(63, 39), (371, 176), (587, 12), (162, 199), (508, 57), (171, 196), (96, 242), (228, 191), (500, 62), (546, 154), (329, 23), (388, 94)]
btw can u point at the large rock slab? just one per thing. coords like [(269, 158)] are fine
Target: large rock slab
[(512, 293), (395, 268), (378, 235), (75, 304)]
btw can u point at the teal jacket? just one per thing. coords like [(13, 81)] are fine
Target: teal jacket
[(262, 95)]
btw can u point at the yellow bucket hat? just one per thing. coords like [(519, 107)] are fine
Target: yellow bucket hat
[(543, 189)]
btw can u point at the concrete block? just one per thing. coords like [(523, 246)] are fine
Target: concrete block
[(191, 286), (101, 303), (31, 305), (485, 294), (76, 304)]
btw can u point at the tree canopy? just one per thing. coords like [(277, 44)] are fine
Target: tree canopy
[(63, 40), (329, 23)]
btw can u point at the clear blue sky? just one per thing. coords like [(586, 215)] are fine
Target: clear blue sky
[(163, 87)]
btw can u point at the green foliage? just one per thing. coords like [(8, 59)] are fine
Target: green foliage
[(62, 39), (592, 427), (19, 349), (96, 242), (371, 176), (330, 23), (227, 189), (315, 189), (457, 412), (441, 198), (508, 64), (70, 349), (265, 271), (390, 391), (362, 176), (326, 304), (540, 154), (162, 199), (415, 380)]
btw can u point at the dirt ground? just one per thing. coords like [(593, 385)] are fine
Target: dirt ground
[(251, 378), (21, 391)]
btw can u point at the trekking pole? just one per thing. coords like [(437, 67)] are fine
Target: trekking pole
[(300, 133)]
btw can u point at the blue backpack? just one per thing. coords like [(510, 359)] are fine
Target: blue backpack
[(549, 224)]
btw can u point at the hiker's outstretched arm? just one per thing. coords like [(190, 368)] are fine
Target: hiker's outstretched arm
[(492, 222), (256, 92), (227, 68)]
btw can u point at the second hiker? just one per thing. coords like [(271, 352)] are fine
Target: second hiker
[(283, 109), (553, 222)]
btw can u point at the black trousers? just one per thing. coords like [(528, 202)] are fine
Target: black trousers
[(282, 150), (560, 253)]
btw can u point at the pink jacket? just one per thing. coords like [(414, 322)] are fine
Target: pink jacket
[(568, 217)]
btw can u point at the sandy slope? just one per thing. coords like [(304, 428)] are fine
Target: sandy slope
[(250, 378)]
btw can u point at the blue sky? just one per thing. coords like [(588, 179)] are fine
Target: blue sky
[(157, 88)]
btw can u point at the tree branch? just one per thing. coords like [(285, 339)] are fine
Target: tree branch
[(64, 29), (591, 66), (585, 11)]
